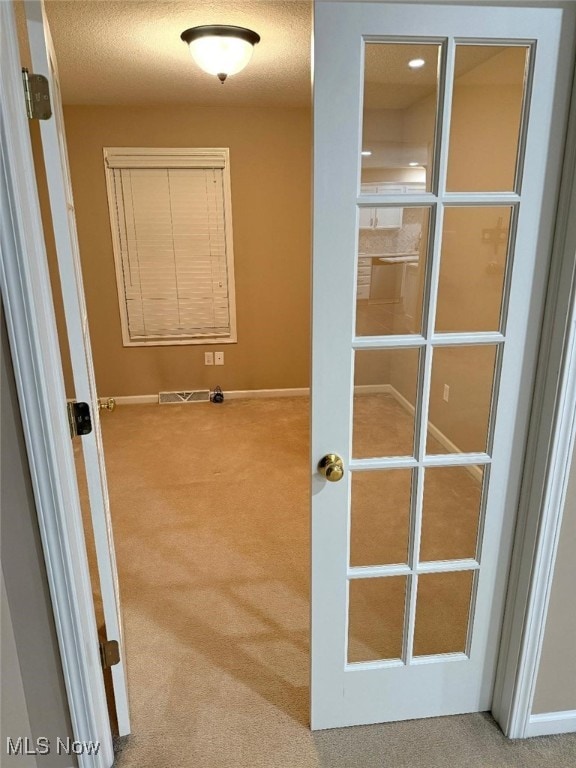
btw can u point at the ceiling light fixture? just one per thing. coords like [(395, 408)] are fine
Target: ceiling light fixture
[(366, 152), (221, 49), (416, 63)]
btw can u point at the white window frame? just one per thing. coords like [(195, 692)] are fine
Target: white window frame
[(166, 158)]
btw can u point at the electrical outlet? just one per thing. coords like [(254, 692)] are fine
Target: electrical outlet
[(208, 358), (218, 358), (446, 394)]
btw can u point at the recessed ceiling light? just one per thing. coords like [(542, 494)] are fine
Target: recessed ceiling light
[(413, 165), (416, 63), (366, 153)]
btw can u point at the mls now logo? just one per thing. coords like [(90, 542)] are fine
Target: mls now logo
[(26, 746), (23, 745)]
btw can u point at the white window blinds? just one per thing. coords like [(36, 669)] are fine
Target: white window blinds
[(172, 252)]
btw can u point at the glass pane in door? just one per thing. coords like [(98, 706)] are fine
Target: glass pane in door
[(376, 618), (474, 257), (380, 517), (392, 258), (442, 612), (461, 398), (399, 120), (451, 512), (487, 109), (385, 387)]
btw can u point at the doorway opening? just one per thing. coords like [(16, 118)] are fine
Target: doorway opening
[(190, 459)]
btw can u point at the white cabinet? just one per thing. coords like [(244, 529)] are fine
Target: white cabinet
[(364, 277), (366, 220), (378, 217), (388, 218), (411, 294)]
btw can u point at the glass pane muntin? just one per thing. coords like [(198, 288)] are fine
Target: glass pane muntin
[(433, 185), (462, 198)]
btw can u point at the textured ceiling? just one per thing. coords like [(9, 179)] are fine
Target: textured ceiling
[(391, 84), (130, 52), (389, 81)]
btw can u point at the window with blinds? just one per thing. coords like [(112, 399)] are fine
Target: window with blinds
[(172, 236)]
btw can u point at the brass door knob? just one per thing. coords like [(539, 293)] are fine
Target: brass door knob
[(331, 467), (107, 405)]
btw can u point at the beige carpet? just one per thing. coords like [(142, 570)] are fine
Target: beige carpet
[(210, 511)]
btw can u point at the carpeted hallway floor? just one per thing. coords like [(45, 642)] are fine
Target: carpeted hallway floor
[(210, 511)]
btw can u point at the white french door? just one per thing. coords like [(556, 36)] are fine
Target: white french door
[(424, 340), (64, 224)]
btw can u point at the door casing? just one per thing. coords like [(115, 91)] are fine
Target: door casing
[(61, 203), (27, 301)]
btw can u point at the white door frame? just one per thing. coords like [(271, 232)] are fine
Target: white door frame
[(59, 185), (28, 306), (551, 441), (33, 339)]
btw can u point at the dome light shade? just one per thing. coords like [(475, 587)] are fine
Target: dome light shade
[(219, 49)]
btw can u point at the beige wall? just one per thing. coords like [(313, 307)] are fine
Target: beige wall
[(270, 156), (14, 720), (33, 698), (556, 682)]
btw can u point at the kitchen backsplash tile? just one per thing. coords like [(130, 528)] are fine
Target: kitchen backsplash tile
[(403, 240)]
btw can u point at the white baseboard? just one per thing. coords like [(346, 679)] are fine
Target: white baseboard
[(373, 389), (232, 395), (445, 441), (135, 399), (236, 394), (551, 723), (252, 394)]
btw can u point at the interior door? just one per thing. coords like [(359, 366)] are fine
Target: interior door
[(424, 395), (64, 223)]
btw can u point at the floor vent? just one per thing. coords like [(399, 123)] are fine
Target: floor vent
[(196, 396)]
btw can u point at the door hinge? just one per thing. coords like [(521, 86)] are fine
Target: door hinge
[(37, 95), (79, 418), (109, 653)]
